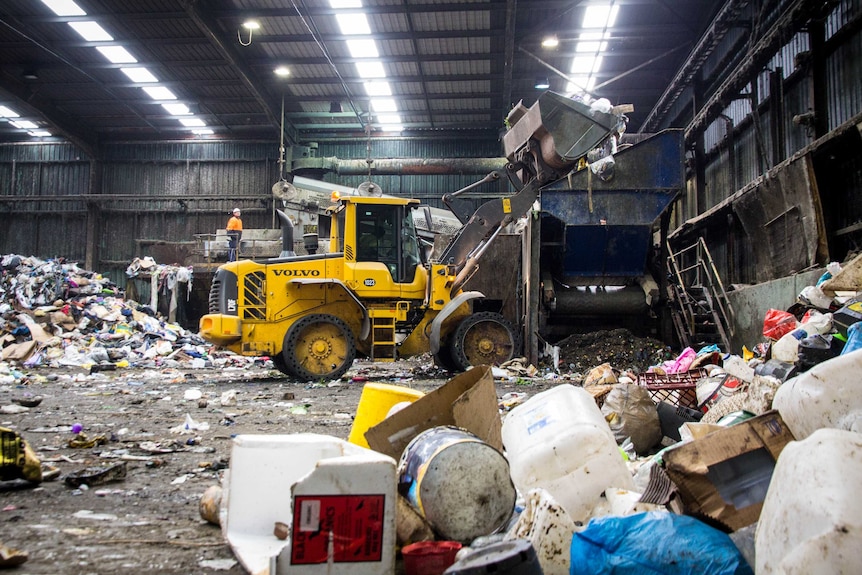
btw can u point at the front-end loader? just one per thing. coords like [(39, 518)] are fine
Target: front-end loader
[(373, 294)]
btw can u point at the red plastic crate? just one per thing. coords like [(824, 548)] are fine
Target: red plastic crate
[(675, 388)]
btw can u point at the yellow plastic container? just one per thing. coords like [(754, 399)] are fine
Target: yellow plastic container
[(374, 405)]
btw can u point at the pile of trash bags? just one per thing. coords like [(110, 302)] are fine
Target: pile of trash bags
[(54, 313)]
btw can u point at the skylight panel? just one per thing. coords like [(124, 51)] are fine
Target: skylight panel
[(203, 132), (363, 49), (117, 54), (370, 70), (7, 112), (600, 16), (353, 24), (24, 124), (64, 7), (338, 4), (39, 133), (177, 109), (91, 31), (159, 93), (584, 64), (390, 122), (378, 89), (192, 123), (139, 75), (384, 105), (580, 84), (592, 42)]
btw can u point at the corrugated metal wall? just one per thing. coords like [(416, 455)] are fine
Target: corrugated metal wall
[(155, 198), (741, 146)]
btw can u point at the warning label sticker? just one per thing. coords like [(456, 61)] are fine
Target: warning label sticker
[(347, 527)]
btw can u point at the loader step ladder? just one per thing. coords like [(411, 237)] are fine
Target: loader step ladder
[(383, 346), (702, 314)]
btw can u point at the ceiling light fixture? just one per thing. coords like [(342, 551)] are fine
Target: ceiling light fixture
[(282, 71), (139, 75), (7, 112), (117, 55), (251, 26), (159, 93), (550, 42), (542, 84), (64, 7), (91, 31)]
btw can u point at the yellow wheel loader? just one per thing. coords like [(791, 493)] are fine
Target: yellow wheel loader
[(373, 295)]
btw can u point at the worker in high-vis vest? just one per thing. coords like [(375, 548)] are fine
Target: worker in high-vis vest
[(234, 234)]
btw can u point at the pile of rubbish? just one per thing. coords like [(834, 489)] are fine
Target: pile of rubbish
[(706, 462), (55, 314)]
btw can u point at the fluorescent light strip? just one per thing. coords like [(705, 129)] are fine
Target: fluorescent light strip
[(64, 7), (8, 113), (370, 69), (192, 123), (353, 24), (378, 88), (91, 31), (159, 93), (600, 16), (24, 124), (139, 75), (594, 43), (40, 133), (365, 48), (117, 54), (177, 109)]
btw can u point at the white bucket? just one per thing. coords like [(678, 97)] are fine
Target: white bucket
[(559, 441), (315, 484), (811, 521), (827, 395)]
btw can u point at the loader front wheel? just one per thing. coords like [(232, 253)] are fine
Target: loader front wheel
[(318, 347), (484, 339), (443, 357)]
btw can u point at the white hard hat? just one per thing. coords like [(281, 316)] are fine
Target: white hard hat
[(236, 210)]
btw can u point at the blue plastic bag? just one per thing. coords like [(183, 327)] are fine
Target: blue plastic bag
[(653, 543), (854, 338)]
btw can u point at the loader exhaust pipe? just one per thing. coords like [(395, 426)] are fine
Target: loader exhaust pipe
[(286, 235)]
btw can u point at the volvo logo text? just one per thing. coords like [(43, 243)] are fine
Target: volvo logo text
[(297, 273)]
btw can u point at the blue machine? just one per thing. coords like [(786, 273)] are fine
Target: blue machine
[(602, 238)]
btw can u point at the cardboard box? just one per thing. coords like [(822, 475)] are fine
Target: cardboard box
[(724, 475), (468, 401)]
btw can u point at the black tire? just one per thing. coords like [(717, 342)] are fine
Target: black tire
[(484, 338), (318, 347), (278, 362), (443, 358)]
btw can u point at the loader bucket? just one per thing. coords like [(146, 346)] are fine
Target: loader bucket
[(566, 129)]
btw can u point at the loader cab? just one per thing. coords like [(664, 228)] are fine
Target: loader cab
[(378, 236)]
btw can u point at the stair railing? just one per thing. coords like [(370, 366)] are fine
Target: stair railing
[(698, 277)]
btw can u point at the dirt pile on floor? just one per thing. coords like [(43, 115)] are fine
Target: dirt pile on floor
[(618, 347)]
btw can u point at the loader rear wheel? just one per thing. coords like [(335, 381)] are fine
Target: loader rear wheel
[(318, 347), (484, 339)]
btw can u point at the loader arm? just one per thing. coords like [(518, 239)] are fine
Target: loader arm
[(545, 142)]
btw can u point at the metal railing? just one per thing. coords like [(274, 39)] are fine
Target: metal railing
[(698, 296)]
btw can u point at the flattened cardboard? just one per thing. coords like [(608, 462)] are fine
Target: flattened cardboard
[(755, 444), (468, 401)]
